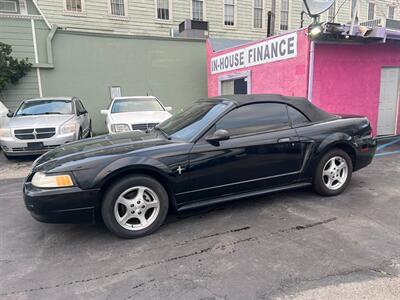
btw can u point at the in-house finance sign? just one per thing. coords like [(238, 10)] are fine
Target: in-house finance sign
[(279, 48)]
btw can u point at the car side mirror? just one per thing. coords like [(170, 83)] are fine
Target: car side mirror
[(219, 135), (104, 111), (168, 108), (10, 114)]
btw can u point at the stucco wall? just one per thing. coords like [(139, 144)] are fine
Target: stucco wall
[(347, 77), (287, 77), (87, 65)]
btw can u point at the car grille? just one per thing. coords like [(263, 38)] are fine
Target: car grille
[(144, 127), (34, 133)]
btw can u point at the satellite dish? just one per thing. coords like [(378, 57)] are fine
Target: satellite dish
[(316, 7)]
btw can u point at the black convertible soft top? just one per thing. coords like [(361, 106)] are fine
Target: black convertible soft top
[(302, 104)]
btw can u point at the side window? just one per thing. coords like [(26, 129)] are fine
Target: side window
[(254, 118), (81, 104), (79, 107), (297, 117)]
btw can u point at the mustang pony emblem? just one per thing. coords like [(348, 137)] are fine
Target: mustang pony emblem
[(179, 170)]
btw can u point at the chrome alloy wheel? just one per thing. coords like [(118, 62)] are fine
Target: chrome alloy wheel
[(335, 172), (136, 208)]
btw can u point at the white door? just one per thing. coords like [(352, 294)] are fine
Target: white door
[(227, 87), (388, 101)]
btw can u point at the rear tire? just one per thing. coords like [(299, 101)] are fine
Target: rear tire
[(135, 206), (333, 173)]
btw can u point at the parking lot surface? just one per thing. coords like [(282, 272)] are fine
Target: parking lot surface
[(285, 245)]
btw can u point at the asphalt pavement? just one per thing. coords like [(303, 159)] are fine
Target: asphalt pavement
[(287, 245)]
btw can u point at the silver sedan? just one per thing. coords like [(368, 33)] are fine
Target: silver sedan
[(39, 125)]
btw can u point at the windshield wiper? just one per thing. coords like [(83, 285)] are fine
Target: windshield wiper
[(44, 113), (163, 132), (17, 115)]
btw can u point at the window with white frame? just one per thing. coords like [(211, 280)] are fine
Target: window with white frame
[(163, 9), (371, 11), (74, 6), (258, 13), (229, 12), (284, 15), (332, 12), (198, 10), (118, 8), (391, 12), (9, 6)]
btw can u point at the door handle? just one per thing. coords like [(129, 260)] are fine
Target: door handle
[(284, 140)]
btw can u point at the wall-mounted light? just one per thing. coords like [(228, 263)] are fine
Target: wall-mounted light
[(315, 30)]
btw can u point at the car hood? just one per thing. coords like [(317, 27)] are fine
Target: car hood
[(85, 152), (143, 117), (39, 121)]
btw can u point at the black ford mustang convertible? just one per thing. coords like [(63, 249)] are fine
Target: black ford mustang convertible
[(219, 149)]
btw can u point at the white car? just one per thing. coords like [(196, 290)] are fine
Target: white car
[(135, 113), (42, 124)]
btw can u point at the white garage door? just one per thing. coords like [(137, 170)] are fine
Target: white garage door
[(388, 101)]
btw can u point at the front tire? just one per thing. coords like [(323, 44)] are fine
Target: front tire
[(135, 206), (333, 173)]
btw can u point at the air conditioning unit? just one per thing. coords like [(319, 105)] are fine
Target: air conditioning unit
[(382, 22), (193, 29)]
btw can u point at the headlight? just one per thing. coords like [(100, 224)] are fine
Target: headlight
[(120, 127), (42, 180), (5, 132), (68, 128)]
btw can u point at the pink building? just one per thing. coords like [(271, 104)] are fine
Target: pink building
[(355, 75)]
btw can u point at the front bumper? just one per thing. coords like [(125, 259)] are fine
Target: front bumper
[(15, 147), (65, 205)]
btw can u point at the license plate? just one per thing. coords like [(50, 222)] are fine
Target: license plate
[(35, 146)]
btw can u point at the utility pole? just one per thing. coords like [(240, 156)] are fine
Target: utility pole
[(354, 17)]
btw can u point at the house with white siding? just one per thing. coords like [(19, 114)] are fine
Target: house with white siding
[(241, 19)]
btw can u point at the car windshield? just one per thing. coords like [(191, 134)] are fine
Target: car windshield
[(135, 105), (45, 107), (189, 122)]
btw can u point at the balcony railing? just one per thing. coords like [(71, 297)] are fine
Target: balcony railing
[(372, 23), (382, 22)]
